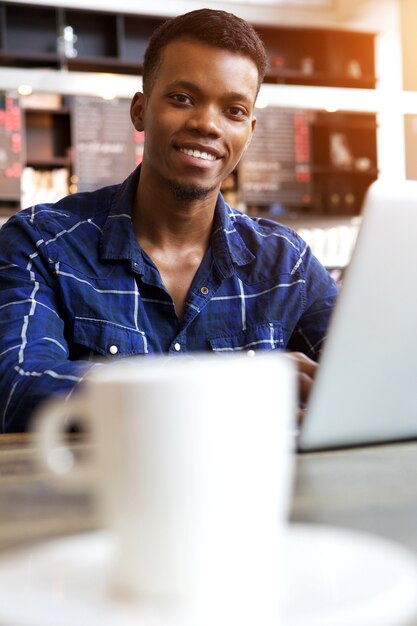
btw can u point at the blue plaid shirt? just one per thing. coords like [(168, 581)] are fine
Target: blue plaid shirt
[(75, 285)]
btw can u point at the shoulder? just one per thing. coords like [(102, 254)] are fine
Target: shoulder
[(73, 209), (262, 229), (44, 222), (79, 216), (276, 247)]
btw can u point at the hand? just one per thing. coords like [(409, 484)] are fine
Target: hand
[(307, 369)]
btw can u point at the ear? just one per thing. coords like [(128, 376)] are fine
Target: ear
[(253, 124), (137, 110)]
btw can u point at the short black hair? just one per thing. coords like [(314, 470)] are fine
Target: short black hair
[(216, 28)]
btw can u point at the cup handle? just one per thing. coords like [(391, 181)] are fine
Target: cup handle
[(55, 454)]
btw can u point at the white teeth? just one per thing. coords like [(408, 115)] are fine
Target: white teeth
[(206, 156)]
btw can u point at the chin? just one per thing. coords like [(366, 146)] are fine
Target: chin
[(182, 191)]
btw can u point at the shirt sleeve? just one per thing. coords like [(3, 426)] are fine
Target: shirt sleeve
[(320, 297), (34, 361)]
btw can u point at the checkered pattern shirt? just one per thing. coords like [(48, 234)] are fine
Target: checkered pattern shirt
[(75, 286)]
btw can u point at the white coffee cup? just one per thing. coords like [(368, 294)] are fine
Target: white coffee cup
[(193, 472)]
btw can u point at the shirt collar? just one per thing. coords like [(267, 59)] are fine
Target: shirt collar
[(229, 249), (118, 240)]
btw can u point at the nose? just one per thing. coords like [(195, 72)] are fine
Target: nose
[(206, 120)]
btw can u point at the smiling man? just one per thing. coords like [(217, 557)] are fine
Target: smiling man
[(197, 111), (160, 263)]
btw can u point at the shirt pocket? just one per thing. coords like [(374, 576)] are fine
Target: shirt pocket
[(107, 338), (259, 337)]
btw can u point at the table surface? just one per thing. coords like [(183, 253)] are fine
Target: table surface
[(371, 489)]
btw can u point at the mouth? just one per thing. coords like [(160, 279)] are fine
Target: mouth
[(201, 152)]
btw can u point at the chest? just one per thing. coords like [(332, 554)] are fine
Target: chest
[(123, 307), (177, 274)]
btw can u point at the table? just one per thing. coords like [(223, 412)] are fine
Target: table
[(371, 489), (32, 505)]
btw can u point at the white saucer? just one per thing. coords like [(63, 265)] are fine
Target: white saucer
[(333, 578)]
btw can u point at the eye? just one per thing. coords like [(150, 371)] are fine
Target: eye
[(181, 98), (237, 112)]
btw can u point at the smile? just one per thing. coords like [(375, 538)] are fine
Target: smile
[(206, 156)]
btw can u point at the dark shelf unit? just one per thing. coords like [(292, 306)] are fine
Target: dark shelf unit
[(319, 79), (105, 41), (47, 148), (134, 36), (11, 150), (339, 187), (111, 41), (322, 57), (48, 164), (114, 41), (28, 36), (29, 28), (338, 178), (97, 35), (48, 138)]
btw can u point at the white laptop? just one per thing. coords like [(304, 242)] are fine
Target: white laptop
[(366, 388)]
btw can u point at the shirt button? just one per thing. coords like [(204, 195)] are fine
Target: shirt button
[(113, 349), (177, 347), (204, 291), (251, 353)]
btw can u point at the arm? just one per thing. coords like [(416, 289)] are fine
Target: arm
[(309, 335), (319, 298), (34, 361), (307, 370)]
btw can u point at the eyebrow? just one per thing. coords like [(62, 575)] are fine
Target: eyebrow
[(229, 95)]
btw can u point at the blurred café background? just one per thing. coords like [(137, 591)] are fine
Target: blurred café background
[(338, 108)]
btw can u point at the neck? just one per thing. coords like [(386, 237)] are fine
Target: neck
[(163, 220)]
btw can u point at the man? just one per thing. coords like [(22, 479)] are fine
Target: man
[(160, 263)]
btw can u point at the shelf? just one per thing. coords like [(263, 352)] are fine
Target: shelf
[(135, 36), (7, 209), (340, 194), (320, 79), (31, 29), (116, 42), (11, 127), (344, 147), (96, 33), (100, 64), (322, 57), (49, 163), (309, 162), (8, 198), (346, 120), (63, 110), (347, 124), (48, 138), (21, 59), (331, 170)]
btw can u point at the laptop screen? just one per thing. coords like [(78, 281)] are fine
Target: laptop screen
[(366, 387)]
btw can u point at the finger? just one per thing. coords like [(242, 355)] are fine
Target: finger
[(304, 363), (305, 383), (300, 414)]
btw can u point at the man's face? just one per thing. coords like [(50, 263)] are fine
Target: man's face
[(198, 116)]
